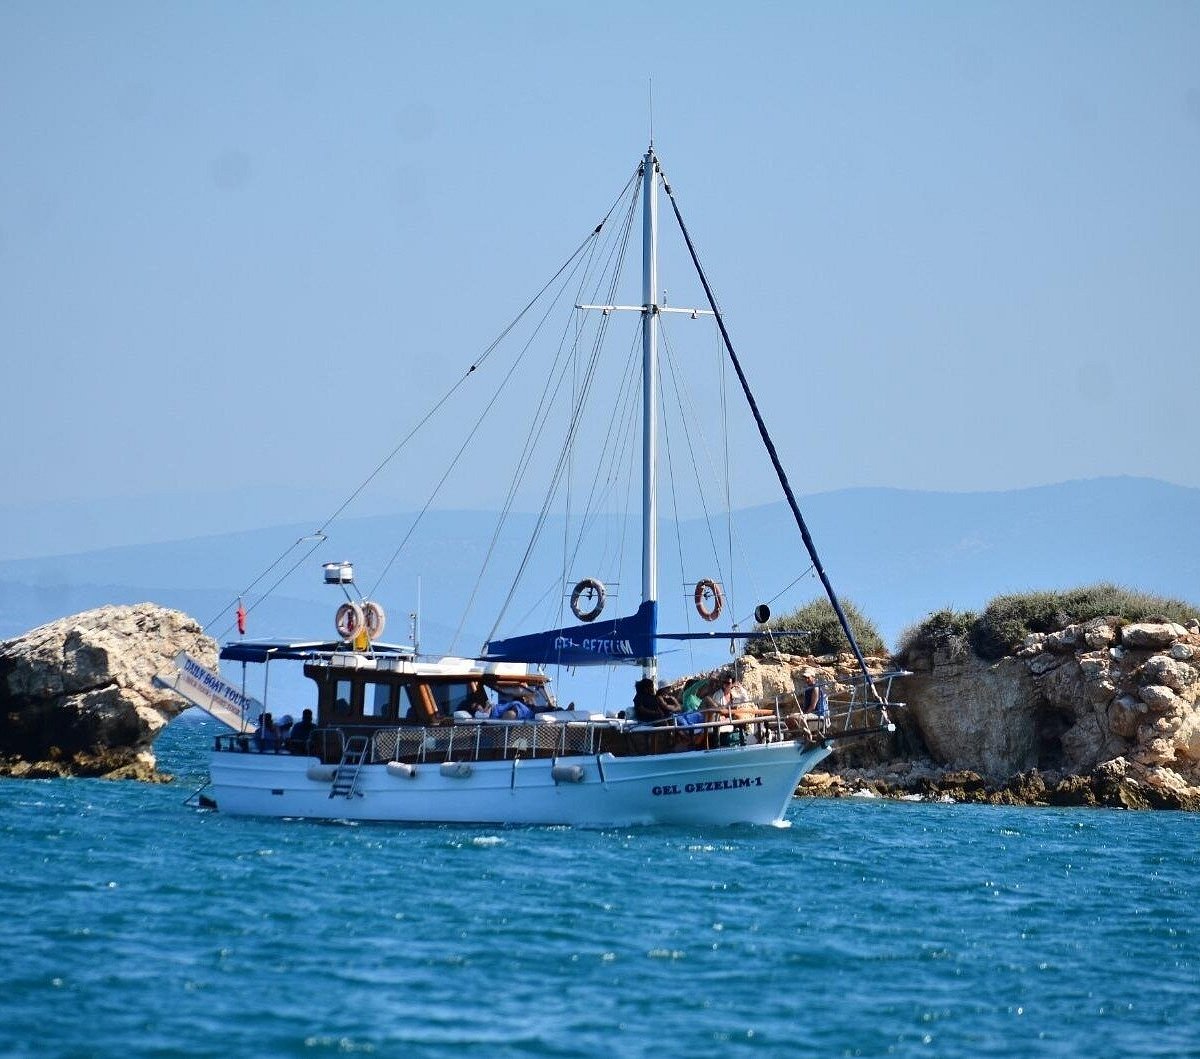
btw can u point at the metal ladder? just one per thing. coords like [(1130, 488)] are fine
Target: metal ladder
[(345, 779)]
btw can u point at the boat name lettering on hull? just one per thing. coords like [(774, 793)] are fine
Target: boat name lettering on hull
[(707, 785), (611, 648)]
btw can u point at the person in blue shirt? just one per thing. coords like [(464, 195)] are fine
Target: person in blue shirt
[(816, 702), (266, 735)]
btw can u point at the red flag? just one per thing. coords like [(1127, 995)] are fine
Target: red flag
[(241, 619)]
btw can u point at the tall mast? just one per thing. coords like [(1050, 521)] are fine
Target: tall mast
[(650, 389)]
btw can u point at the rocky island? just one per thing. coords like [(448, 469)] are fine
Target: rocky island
[(1014, 706), (77, 696), (1038, 700)]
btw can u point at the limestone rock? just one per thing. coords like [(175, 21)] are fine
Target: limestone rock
[(78, 693), (1174, 674), (977, 714), (1065, 639), (1043, 663), (1158, 697), (1152, 635), (1125, 714), (1100, 633)]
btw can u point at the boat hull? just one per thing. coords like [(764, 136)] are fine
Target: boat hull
[(733, 785)]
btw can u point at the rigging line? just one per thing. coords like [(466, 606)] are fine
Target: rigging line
[(786, 588), (687, 617), (317, 542), (729, 589), (577, 319), (318, 536), (571, 434), (471, 433), (770, 446), (609, 457), (615, 274), (527, 454), (625, 419), (408, 437), (587, 519), (681, 397), (550, 492), (626, 456), (623, 431), (537, 422), (632, 462), (566, 537), (479, 361)]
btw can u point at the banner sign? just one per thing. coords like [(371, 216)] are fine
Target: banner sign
[(207, 689)]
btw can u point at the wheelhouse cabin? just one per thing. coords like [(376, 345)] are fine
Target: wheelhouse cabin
[(351, 691)]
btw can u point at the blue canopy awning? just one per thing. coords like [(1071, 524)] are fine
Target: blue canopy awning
[(306, 651)]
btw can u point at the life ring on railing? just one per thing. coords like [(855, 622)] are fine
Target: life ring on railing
[(374, 618), (349, 620), (710, 600), (591, 589)]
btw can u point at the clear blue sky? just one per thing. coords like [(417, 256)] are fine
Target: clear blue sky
[(961, 240)]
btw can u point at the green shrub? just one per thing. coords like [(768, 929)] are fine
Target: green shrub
[(1008, 619), (814, 629), (944, 630)]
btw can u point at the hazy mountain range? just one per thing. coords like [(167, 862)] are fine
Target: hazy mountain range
[(898, 554)]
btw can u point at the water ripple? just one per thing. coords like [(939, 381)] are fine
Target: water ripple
[(139, 926)]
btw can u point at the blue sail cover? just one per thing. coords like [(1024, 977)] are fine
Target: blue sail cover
[(597, 643)]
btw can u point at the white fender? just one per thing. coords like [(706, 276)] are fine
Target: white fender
[(401, 770), (459, 770), (321, 773), (567, 773)]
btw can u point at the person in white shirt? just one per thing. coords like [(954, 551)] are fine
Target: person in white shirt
[(729, 695)]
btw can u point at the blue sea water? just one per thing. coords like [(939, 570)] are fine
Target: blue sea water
[(137, 925)]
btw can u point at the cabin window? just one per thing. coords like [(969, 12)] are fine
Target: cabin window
[(341, 698), (381, 701), (450, 697), (388, 702)]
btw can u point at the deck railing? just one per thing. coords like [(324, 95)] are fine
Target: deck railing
[(765, 721)]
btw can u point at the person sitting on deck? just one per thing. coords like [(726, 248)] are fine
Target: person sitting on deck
[(734, 700), (478, 704), (516, 706), (541, 700), (297, 742), (816, 702), (647, 706), (797, 723), (266, 735), (650, 706), (694, 696), (691, 706)]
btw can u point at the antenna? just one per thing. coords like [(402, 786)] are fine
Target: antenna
[(651, 110)]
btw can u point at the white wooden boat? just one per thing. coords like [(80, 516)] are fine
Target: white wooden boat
[(396, 734)]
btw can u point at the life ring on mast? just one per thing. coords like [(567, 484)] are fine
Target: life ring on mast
[(709, 599), (590, 589), (374, 618), (349, 620)]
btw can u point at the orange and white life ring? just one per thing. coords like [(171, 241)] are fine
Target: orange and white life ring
[(591, 590), (349, 620), (709, 598), (374, 618)]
